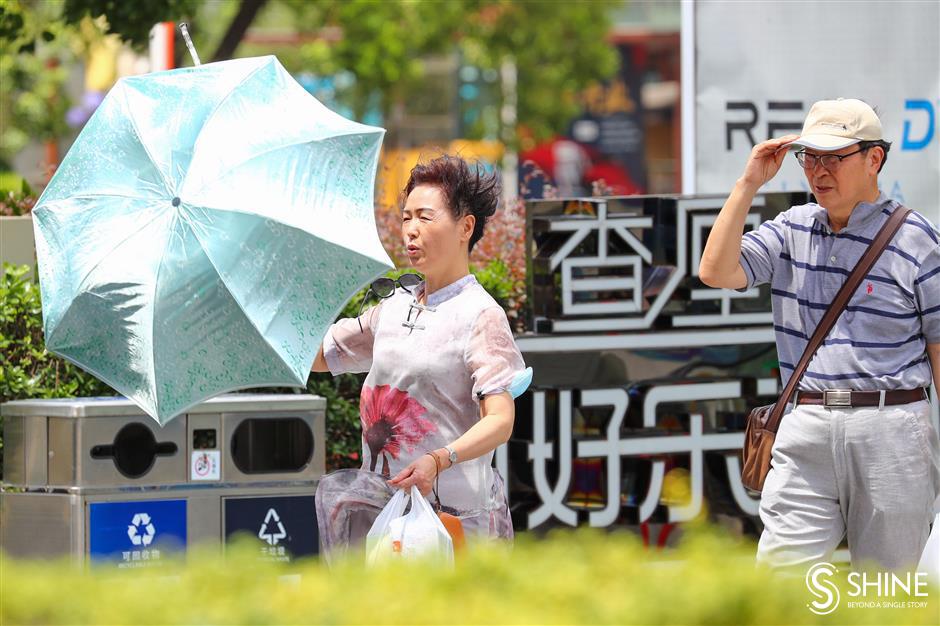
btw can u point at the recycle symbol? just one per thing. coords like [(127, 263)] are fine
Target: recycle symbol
[(141, 522), (272, 536)]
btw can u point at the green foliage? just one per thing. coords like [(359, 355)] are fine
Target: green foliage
[(132, 21), (381, 43), (26, 369), (39, 40), (580, 577), (12, 21), (558, 48), (32, 100), (16, 196), (343, 428), (497, 279)]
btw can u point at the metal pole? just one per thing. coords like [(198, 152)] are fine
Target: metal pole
[(184, 29)]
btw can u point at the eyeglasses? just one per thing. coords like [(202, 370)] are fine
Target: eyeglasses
[(829, 161), (385, 287)]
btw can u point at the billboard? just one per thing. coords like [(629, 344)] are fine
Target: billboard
[(759, 66)]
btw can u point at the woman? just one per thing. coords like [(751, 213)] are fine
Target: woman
[(440, 357)]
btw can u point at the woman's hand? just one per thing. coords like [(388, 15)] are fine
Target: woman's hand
[(421, 472)]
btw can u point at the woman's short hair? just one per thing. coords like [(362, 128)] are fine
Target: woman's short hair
[(468, 188)]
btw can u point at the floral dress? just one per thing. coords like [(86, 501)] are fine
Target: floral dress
[(429, 366)]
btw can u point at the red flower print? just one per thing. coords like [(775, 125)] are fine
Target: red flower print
[(391, 419), (870, 288)]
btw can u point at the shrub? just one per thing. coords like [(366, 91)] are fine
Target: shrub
[(16, 196), (27, 370), (580, 577)]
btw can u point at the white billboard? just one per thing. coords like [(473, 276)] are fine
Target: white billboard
[(759, 66)]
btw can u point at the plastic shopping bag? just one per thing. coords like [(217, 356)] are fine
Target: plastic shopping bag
[(348, 503), (418, 533)]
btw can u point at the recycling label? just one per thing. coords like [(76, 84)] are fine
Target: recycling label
[(141, 530), (285, 527), (136, 534)]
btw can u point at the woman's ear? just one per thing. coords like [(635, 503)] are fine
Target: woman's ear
[(467, 224)]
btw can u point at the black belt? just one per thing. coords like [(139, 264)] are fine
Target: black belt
[(849, 398)]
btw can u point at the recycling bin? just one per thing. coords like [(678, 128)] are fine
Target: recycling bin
[(97, 480)]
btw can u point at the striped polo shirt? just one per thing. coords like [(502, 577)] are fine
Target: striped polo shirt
[(880, 339)]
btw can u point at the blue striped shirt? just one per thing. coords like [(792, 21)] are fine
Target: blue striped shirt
[(880, 340)]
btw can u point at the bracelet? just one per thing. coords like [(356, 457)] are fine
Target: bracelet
[(437, 463)]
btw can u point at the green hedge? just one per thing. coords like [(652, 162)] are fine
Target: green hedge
[(26, 369), (581, 577)]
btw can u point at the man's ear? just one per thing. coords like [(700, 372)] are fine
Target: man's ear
[(876, 157)]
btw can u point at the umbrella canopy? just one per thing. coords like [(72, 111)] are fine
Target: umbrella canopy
[(203, 232)]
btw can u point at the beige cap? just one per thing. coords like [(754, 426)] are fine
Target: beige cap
[(836, 124)]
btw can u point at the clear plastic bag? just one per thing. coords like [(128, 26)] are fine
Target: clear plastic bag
[(416, 534), (348, 503)]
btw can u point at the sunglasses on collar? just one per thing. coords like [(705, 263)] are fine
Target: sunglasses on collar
[(384, 287)]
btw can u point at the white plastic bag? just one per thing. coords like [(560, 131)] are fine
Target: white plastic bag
[(419, 533)]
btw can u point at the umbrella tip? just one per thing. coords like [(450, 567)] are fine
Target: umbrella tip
[(184, 30)]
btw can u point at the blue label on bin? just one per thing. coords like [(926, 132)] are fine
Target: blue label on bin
[(285, 527), (136, 534)]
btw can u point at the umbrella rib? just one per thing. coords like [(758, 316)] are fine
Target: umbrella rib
[(237, 303), (84, 281), (153, 308), (143, 144), (113, 248), (286, 225), (92, 196), (216, 108), (269, 151)]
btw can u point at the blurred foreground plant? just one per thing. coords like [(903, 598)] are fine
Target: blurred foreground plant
[(571, 577)]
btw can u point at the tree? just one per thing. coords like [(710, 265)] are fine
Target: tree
[(558, 48), (32, 105), (132, 21), (247, 11)]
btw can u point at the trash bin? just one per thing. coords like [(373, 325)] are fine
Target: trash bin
[(95, 478)]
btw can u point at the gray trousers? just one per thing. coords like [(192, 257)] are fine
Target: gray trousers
[(870, 473)]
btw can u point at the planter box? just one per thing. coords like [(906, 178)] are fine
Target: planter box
[(17, 244)]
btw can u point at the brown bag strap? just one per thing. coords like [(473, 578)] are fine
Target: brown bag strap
[(888, 229)]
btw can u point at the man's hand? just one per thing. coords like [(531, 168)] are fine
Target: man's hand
[(765, 161)]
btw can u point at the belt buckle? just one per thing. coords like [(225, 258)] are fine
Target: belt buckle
[(837, 397)]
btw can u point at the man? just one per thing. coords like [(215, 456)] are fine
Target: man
[(863, 464)]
